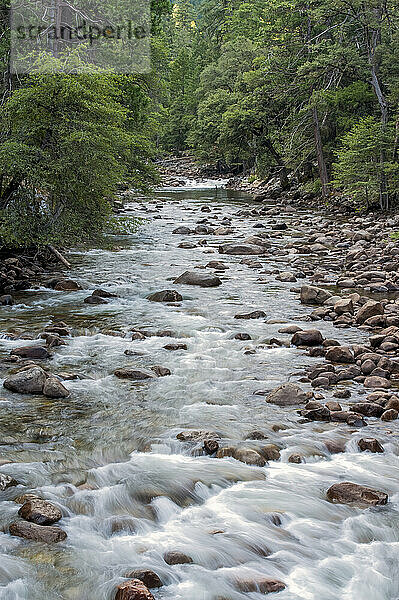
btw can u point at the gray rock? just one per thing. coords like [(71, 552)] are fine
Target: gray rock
[(53, 388), (241, 249), (134, 373), (165, 296), (313, 295), (197, 278), (28, 381), (370, 309), (287, 394), (34, 352), (309, 337)]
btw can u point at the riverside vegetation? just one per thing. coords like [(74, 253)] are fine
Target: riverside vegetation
[(201, 394)]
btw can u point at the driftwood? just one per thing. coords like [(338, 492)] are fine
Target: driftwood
[(59, 256)]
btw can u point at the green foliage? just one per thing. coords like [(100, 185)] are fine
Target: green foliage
[(66, 142), (358, 170)]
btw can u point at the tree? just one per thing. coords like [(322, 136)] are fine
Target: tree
[(64, 148), (359, 170)]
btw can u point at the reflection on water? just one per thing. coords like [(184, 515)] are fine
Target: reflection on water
[(108, 454)]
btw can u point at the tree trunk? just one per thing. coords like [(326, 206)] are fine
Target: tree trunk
[(320, 155)]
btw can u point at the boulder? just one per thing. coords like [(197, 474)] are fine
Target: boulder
[(242, 336), (174, 557), (211, 446), (344, 306), (370, 309), (134, 373), (287, 394), (309, 337), (200, 279), (165, 296), (28, 381), (295, 459), (354, 494), (191, 435), (37, 533), (350, 418), (67, 285), (148, 577), (103, 294), (286, 277), (389, 415), (53, 388), (6, 481), (370, 444), (368, 409), (313, 295), (182, 230), (134, 589), (160, 371), (173, 347), (249, 456), (241, 249), (270, 452), (40, 512), (34, 352), (376, 382), (340, 354)]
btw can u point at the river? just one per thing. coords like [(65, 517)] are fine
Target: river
[(108, 455)]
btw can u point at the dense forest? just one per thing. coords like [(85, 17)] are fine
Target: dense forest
[(303, 91)]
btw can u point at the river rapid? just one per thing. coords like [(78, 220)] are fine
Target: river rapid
[(108, 455)]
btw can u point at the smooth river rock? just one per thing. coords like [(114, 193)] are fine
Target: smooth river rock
[(53, 388), (134, 589), (165, 296), (287, 394), (40, 512), (200, 279), (359, 495), (134, 373), (28, 381), (37, 533), (148, 577), (241, 249)]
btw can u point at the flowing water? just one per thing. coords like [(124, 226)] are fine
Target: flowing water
[(109, 457)]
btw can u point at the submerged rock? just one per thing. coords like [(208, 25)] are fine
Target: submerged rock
[(264, 585), (134, 373), (359, 495), (255, 314), (37, 533), (34, 352), (174, 557)]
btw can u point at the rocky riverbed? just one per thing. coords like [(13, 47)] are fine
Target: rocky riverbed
[(209, 411)]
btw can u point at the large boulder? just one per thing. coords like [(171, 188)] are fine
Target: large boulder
[(313, 295), (165, 296), (370, 309), (67, 285), (368, 409), (370, 444), (345, 305), (375, 382), (37, 533), (310, 337), (249, 456), (40, 512), (287, 394), (134, 589), (241, 249), (53, 388), (359, 495), (34, 352), (28, 381), (197, 278)]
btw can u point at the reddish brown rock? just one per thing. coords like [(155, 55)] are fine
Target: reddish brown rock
[(359, 495), (265, 585), (148, 577), (134, 589), (370, 444), (389, 415), (40, 512), (174, 557), (37, 533)]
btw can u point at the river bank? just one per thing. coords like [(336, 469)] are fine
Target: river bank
[(199, 392)]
